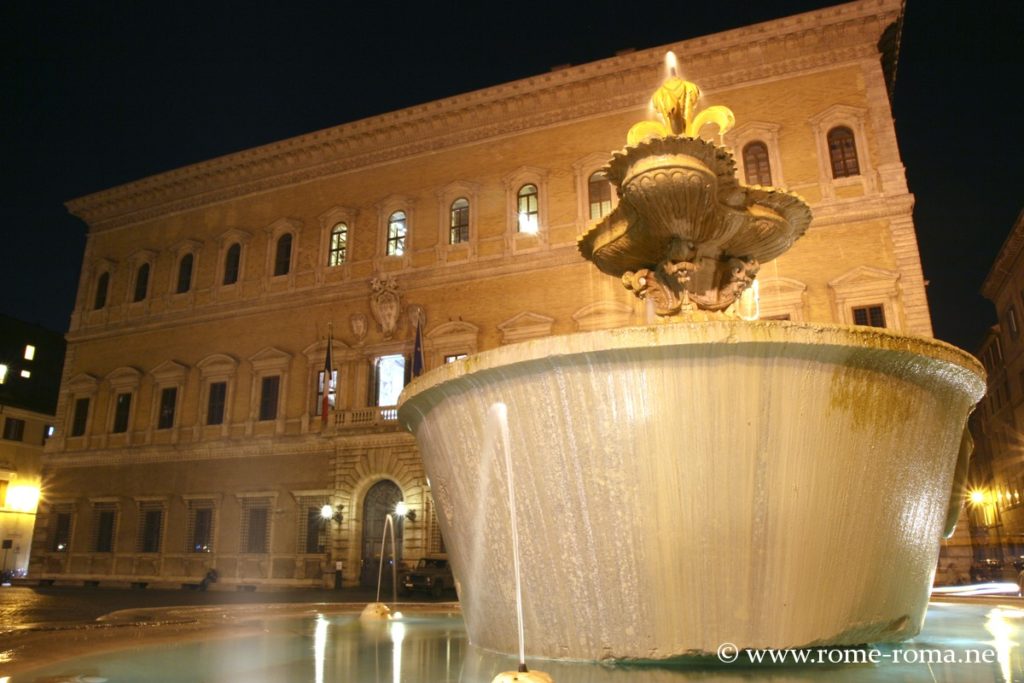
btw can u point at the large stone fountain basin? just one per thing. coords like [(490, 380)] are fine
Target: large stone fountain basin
[(682, 486)]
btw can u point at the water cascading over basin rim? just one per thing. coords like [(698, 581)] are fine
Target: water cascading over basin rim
[(769, 484)]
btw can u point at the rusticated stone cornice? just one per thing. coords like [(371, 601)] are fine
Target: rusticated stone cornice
[(800, 43)]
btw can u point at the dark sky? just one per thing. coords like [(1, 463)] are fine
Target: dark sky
[(98, 94)]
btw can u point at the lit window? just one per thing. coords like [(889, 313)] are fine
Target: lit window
[(26, 373), (339, 245), (231, 262), (283, 255), (101, 291), (454, 357), (459, 225), (389, 378), (528, 210), (842, 152), (3, 373), (755, 164), (872, 316), (30, 352), (331, 391), (599, 192), (185, 274), (396, 234), (141, 282)]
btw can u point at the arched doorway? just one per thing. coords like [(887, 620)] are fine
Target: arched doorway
[(379, 502)]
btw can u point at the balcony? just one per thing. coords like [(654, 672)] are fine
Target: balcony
[(366, 418)]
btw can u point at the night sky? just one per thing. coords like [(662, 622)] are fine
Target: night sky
[(95, 95)]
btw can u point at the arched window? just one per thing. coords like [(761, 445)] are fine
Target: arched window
[(185, 274), (459, 225), (396, 234), (756, 166), (599, 191), (283, 255), (141, 282), (102, 284), (339, 245), (232, 259), (528, 210), (842, 152)]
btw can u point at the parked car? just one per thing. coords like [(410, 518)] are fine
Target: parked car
[(987, 570), (431, 574)]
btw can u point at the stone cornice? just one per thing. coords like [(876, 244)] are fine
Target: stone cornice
[(1003, 267), (835, 35)]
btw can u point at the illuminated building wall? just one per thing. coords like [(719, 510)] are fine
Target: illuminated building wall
[(189, 428)]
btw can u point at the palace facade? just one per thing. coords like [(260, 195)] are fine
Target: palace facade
[(190, 430)]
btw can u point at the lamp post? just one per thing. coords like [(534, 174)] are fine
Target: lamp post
[(988, 503), (329, 513)]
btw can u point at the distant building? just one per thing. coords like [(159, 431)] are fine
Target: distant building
[(190, 434), (30, 367), (996, 498)]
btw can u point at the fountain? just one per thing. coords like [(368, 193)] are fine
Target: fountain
[(706, 479)]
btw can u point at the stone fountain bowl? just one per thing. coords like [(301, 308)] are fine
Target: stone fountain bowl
[(682, 486)]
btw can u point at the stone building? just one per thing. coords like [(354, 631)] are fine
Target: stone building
[(190, 431), (30, 371), (995, 505)]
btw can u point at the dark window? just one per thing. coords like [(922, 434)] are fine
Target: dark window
[(339, 245), (397, 228), (231, 263), (1011, 322), (200, 527), (872, 316), (168, 399), (780, 316), (842, 152), (315, 528), (149, 530), (269, 387), (122, 409), (599, 192), (104, 518), (528, 210), (255, 527), (755, 163), (185, 273), (141, 282), (14, 429), (458, 230), (101, 291), (283, 255), (215, 406), (61, 532), (80, 415)]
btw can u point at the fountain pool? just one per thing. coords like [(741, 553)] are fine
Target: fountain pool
[(258, 645)]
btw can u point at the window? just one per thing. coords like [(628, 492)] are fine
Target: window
[(79, 416), (122, 409), (283, 255), (842, 152), (458, 230), (397, 229), (232, 259), (756, 166), (48, 431), (101, 291), (200, 526), (454, 357), (1011, 322), (389, 376), (269, 387), (312, 536), (151, 522), (14, 429), (216, 402), (255, 525), (26, 374), (168, 399), (185, 274), (528, 210), (104, 521), (339, 245), (60, 539), (3, 373), (599, 192), (141, 282), (331, 394), (872, 316), (30, 352)]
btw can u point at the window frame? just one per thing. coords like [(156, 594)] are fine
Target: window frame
[(842, 154), (762, 163), (458, 222), (397, 234), (606, 185), (101, 291), (14, 429), (282, 263), (337, 255), (140, 282), (184, 279), (532, 209)]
